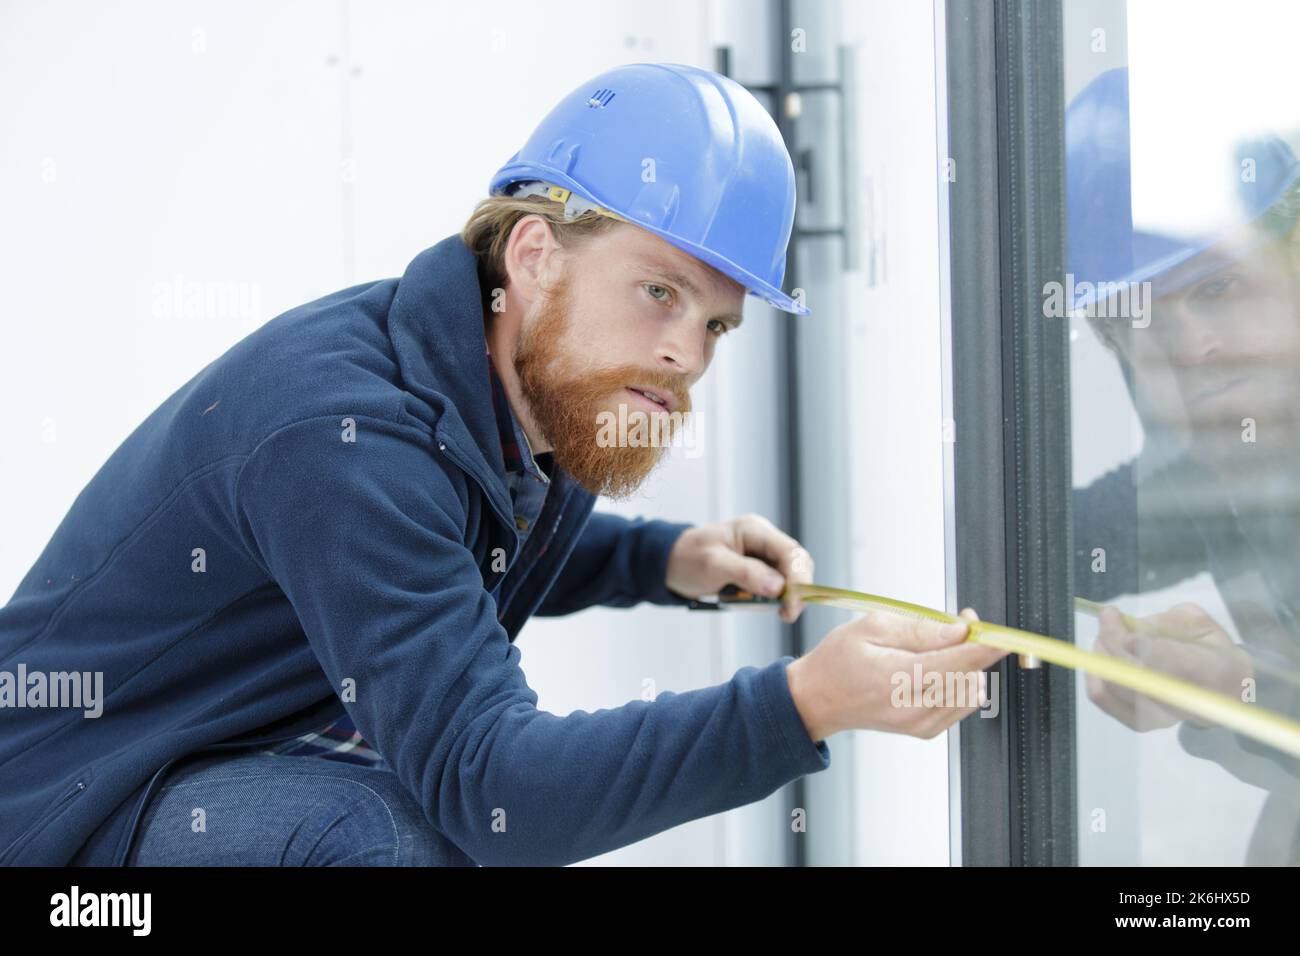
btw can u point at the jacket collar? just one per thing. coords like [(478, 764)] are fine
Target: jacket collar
[(436, 325)]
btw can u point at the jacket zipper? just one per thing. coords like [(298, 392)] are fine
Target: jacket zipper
[(450, 451), (506, 523), (42, 820)]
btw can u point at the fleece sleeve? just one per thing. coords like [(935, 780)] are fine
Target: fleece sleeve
[(617, 562), (366, 539)]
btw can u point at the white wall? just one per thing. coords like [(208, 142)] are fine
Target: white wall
[(283, 151)]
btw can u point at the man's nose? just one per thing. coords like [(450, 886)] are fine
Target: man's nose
[(681, 351), (1193, 339)]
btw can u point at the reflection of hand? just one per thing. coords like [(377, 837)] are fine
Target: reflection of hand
[(1183, 642)]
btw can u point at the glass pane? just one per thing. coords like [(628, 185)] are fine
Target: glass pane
[(1182, 130)]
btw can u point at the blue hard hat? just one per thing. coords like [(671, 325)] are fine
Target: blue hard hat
[(720, 187), (1104, 244)]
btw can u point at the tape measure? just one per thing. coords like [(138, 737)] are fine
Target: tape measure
[(1252, 720)]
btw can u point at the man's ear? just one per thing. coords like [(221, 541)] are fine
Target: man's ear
[(527, 256)]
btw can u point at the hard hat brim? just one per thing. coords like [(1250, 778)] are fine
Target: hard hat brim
[(754, 286)]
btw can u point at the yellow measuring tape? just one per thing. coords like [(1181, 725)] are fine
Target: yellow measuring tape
[(1252, 720)]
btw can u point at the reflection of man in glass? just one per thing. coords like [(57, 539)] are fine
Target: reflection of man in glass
[(1213, 369)]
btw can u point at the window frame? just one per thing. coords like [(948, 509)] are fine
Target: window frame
[(1010, 394)]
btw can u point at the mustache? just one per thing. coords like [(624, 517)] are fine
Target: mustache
[(618, 376)]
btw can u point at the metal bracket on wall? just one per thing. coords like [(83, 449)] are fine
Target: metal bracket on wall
[(788, 100)]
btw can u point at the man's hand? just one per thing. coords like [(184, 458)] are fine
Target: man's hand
[(863, 675), (750, 552), (1205, 655)]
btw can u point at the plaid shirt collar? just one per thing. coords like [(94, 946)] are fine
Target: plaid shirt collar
[(515, 449)]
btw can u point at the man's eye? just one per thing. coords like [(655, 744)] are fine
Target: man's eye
[(1216, 287), (722, 329), (663, 298)]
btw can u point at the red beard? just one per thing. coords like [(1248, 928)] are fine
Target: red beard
[(567, 398)]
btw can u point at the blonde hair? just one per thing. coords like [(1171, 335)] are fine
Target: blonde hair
[(493, 220)]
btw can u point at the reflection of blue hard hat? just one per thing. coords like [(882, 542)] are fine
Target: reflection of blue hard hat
[(1103, 243), (687, 154)]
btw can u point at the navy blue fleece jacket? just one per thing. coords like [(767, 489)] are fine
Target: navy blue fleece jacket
[(314, 522)]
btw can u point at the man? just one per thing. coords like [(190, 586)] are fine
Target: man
[(302, 576)]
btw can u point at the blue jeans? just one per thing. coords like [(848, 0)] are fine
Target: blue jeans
[(255, 809)]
